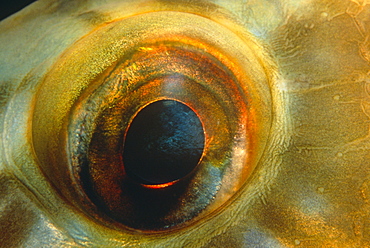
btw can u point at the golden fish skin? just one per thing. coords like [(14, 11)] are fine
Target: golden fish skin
[(311, 187)]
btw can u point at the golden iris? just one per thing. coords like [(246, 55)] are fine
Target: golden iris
[(112, 86)]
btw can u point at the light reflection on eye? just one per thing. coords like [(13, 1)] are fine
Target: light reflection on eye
[(220, 115)]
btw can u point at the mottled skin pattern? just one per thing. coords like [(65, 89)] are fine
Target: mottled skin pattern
[(311, 187)]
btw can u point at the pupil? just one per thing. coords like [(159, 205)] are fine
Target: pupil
[(164, 143)]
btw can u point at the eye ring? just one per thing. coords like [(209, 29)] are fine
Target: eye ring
[(50, 121)]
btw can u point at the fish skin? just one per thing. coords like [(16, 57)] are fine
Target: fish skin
[(311, 187)]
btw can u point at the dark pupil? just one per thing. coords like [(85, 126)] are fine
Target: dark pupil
[(164, 143)]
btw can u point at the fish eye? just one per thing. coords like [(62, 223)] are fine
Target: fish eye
[(262, 105), (155, 125)]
